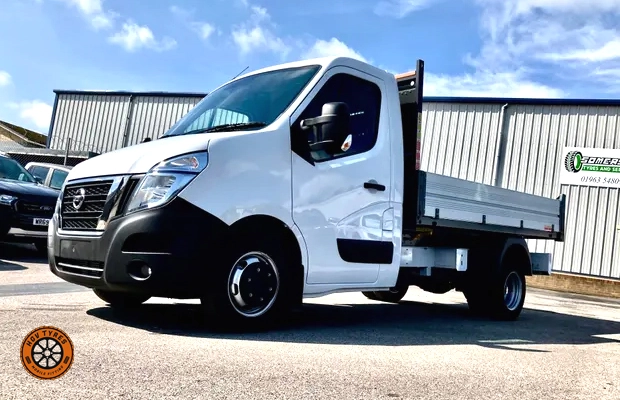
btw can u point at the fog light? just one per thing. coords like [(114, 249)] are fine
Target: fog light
[(146, 271), (50, 234), (139, 270)]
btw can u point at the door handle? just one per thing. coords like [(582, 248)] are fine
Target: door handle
[(374, 185)]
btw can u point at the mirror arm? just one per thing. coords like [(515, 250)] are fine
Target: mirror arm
[(311, 122)]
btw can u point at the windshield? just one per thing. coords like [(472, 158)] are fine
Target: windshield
[(11, 169), (252, 102)]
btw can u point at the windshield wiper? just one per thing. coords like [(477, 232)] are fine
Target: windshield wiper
[(227, 127)]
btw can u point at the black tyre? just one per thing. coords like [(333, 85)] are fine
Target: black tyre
[(508, 295), (41, 246), (121, 299), (253, 288), (370, 295), (394, 295), (477, 302), (502, 297)]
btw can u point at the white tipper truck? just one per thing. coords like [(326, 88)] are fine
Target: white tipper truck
[(290, 182)]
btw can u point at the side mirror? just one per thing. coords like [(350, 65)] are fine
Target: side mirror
[(37, 179), (331, 129)]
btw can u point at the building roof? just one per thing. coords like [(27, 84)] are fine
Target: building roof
[(525, 101), (128, 93), (432, 99), (21, 135)]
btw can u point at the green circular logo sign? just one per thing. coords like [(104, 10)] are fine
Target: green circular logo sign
[(573, 162)]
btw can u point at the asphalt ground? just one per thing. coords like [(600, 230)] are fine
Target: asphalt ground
[(341, 346)]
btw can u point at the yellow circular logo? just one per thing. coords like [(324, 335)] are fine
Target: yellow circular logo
[(47, 353)]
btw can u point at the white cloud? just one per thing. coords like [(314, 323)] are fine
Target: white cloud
[(37, 112), (479, 84), (203, 29), (181, 12), (487, 84), (526, 39), (94, 12), (573, 6), (400, 8), (496, 73), (257, 39), (560, 38), (602, 52), (256, 34), (332, 47), (133, 37), (5, 78)]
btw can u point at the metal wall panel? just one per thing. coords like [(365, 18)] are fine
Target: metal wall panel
[(536, 137), (92, 122), (152, 116), (103, 123), (460, 140), (463, 140)]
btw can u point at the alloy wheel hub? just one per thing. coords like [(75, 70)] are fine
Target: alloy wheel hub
[(253, 284)]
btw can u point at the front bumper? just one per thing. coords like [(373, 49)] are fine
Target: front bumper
[(22, 226), (178, 242)]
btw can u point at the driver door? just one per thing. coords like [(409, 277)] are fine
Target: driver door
[(341, 202)]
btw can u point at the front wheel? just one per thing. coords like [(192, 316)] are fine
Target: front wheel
[(394, 295), (121, 299), (370, 295), (252, 288), (41, 246)]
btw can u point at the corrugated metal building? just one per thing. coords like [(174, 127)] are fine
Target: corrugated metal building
[(518, 144), (513, 143), (101, 121)]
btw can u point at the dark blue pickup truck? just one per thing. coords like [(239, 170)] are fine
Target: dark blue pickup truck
[(26, 206)]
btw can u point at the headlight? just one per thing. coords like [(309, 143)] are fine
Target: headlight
[(6, 199), (165, 180)]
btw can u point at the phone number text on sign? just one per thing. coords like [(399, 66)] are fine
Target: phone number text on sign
[(598, 180)]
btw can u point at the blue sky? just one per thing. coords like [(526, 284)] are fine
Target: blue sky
[(497, 48)]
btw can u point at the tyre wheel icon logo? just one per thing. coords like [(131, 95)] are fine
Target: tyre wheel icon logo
[(47, 353), (573, 161)]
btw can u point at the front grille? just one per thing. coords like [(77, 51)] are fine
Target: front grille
[(89, 269), (91, 199), (38, 210)]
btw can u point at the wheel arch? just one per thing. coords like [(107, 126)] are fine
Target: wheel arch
[(516, 251), (489, 256), (261, 224)]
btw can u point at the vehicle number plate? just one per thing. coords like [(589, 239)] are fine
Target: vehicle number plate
[(40, 222)]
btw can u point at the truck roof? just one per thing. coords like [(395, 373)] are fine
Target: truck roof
[(322, 61)]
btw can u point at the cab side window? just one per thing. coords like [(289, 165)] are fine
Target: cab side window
[(39, 172), (58, 178), (364, 101)]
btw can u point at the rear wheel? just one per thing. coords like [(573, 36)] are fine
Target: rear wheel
[(121, 299), (501, 297), (508, 295), (253, 287)]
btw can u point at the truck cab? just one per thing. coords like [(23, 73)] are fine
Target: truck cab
[(293, 181)]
